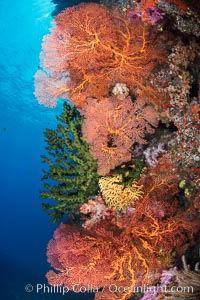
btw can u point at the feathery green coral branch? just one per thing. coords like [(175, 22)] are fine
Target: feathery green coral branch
[(72, 174)]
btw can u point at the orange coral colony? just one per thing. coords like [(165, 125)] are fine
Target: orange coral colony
[(90, 49)]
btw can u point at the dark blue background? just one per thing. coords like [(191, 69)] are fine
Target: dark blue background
[(25, 227)]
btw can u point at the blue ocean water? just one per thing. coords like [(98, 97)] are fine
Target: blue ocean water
[(25, 227)]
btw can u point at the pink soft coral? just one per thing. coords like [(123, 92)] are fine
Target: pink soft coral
[(97, 210)]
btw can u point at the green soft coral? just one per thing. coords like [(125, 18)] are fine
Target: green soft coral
[(72, 174)]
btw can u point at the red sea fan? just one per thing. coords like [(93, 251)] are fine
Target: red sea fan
[(158, 220), (102, 258), (79, 257), (96, 48), (125, 250), (113, 125)]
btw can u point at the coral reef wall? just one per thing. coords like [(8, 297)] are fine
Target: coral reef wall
[(123, 163)]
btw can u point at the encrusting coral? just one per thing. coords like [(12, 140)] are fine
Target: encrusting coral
[(183, 88)]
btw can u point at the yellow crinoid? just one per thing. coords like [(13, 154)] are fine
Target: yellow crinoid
[(117, 195)]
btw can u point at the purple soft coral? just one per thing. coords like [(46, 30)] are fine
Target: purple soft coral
[(151, 154), (155, 14), (135, 15), (150, 294)]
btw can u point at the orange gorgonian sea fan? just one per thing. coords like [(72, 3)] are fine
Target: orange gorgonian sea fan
[(129, 250), (113, 125), (158, 218), (101, 258), (91, 48)]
